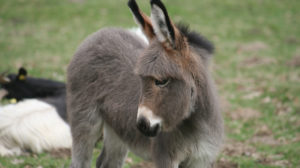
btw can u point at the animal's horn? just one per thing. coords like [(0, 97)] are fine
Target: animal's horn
[(3, 78)]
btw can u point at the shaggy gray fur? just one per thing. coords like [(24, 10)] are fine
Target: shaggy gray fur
[(112, 73)]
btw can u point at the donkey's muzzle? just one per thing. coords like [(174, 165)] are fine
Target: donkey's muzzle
[(148, 130)]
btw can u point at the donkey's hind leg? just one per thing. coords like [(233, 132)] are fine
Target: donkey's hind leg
[(114, 151), (86, 130)]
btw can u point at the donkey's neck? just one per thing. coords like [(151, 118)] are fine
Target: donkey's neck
[(204, 91)]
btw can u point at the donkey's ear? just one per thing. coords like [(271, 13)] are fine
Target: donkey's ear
[(163, 27), (22, 74), (141, 19)]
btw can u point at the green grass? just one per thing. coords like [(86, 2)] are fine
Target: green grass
[(42, 36)]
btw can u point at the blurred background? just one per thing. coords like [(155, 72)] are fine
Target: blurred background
[(256, 66)]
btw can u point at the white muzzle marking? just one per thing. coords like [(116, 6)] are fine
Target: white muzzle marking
[(144, 111)]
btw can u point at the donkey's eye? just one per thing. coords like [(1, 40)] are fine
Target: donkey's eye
[(162, 83)]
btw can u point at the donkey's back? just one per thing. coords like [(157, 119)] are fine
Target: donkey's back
[(111, 52), (102, 71), (102, 86)]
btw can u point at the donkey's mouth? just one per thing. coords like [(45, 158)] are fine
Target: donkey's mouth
[(145, 128)]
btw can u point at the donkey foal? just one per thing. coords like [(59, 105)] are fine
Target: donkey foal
[(158, 100)]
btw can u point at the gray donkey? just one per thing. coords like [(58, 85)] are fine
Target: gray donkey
[(156, 100)]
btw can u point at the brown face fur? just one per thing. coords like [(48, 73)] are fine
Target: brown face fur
[(174, 101), (169, 59)]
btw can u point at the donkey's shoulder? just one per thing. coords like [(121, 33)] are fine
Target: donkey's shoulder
[(114, 33)]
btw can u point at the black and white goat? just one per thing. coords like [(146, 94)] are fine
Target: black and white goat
[(37, 122)]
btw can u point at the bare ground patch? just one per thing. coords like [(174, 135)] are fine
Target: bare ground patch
[(257, 61), (252, 47), (272, 162), (61, 153), (264, 135), (235, 148), (223, 163), (294, 62), (243, 114), (243, 149)]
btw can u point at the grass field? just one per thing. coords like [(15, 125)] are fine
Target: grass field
[(256, 66)]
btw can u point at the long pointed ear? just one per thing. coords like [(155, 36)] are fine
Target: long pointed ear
[(141, 19), (163, 27)]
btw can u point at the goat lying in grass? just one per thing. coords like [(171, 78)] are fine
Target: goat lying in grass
[(38, 121)]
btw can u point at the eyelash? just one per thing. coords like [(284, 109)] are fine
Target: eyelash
[(162, 83)]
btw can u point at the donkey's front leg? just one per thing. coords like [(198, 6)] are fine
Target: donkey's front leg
[(85, 133), (200, 164), (162, 158), (114, 151), (165, 162)]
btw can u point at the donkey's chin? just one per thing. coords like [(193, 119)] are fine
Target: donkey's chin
[(151, 133)]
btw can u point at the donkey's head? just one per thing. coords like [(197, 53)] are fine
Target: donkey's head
[(169, 70)]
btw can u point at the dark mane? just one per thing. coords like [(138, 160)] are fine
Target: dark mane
[(195, 38)]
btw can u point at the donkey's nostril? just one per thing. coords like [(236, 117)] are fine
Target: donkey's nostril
[(144, 126), (155, 128)]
